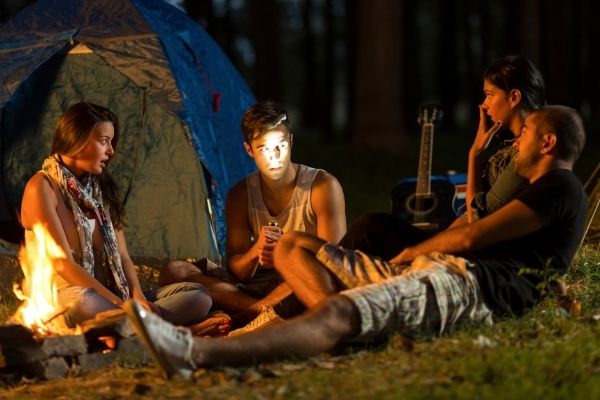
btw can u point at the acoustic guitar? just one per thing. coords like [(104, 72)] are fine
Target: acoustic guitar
[(425, 202)]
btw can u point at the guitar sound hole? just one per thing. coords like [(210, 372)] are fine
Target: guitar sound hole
[(421, 205)]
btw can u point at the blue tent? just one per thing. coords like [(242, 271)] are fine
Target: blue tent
[(178, 97)]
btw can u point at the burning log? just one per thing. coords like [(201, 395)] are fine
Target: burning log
[(18, 345), (26, 353), (38, 343)]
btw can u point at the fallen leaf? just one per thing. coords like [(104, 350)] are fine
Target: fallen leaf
[(291, 367), (105, 389), (281, 390), (176, 392), (325, 364), (483, 341), (251, 376)]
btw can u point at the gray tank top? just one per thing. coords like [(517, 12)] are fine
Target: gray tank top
[(298, 215)]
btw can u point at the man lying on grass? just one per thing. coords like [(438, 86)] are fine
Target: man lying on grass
[(492, 267)]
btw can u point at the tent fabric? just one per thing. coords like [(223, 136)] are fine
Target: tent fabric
[(206, 96), (178, 98)]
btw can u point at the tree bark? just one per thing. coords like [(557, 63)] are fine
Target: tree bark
[(351, 36), (329, 74), (311, 101), (266, 33), (447, 67), (560, 52), (378, 85), (593, 57), (201, 11), (525, 33), (410, 70)]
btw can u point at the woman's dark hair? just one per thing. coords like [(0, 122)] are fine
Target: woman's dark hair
[(261, 118), (517, 72), (75, 126)]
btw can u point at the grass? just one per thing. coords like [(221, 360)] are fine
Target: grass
[(544, 354)]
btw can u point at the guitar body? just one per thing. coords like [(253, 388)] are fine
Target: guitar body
[(425, 202), (432, 211)]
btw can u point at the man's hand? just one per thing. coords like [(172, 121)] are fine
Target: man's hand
[(267, 239), (405, 257), (484, 135)]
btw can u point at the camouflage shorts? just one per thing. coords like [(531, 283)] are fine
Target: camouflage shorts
[(431, 295)]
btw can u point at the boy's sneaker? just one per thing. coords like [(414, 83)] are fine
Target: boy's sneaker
[(266, 317), (169, 345)]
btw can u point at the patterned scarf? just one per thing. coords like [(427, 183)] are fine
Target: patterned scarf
[(82, 197)]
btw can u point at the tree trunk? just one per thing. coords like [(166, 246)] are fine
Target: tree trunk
[(329, 83), (594, 58), (410, 70), (525, 33), (311, 101), (228, 34), (560, 52), (351, 37), (447, 67), (201, 11), (266, 33), (589, 61), (378, 89)]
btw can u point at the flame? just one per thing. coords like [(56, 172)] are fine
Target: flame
[(40, 308)]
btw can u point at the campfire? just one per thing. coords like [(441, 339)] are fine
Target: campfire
[(40, 310), (36, 341)]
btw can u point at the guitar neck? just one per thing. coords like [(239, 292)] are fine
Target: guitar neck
[(423, 186)]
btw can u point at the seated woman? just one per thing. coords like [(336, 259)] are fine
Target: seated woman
[(76, 200), (513, 87)]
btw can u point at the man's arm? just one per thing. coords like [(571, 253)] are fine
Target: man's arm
[(459, 221), (509, 222), (327, 200), (242, 257)]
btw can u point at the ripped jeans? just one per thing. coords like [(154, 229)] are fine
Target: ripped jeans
[(183, 303)]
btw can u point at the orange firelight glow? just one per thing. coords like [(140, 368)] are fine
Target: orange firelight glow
[(38, 293)]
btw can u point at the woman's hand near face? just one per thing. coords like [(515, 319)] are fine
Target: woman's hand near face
[(483, 135)]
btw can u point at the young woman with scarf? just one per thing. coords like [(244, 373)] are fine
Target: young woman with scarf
[(76, 200)]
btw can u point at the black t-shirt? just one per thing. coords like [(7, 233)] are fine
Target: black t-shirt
[(560, 202)]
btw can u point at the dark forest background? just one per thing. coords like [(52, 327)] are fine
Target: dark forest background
[(357, 71), (360, 69)]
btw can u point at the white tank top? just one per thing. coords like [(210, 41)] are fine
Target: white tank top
[(298, 215)]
